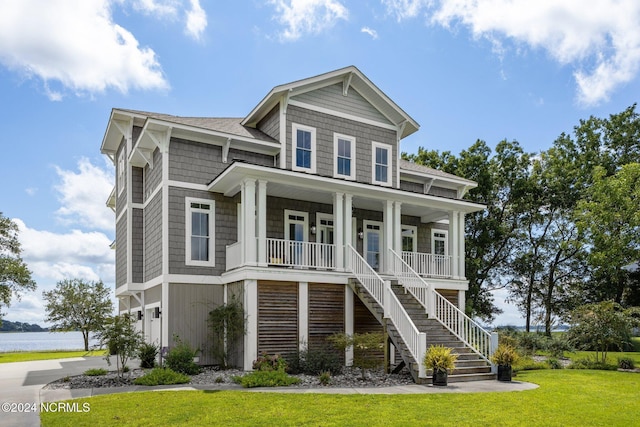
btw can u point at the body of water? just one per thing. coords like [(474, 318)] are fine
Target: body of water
[(38, 341)]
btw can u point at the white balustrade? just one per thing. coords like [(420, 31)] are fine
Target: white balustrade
[(234, 255), (428, 264), (289, 253)]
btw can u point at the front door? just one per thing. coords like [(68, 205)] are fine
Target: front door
[(295, 233), (373, 244), (325, 252)]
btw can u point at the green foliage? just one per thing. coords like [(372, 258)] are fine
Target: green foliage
[(267, 362), (180, 358), (325, 377), (601, 327), (554, 363), (25, 356), (78, 305), (366, 348), (440, 358), (227, 324), (505, 355), (15, 277), (591, 363), (147, 353), (162, 376), (95, 372), (626, 363), (121, 338), (315, 361), (277, 378), (526, 363)]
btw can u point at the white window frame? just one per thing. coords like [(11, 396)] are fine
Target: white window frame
[(294, 147), (352, 158), (304, 221), (433, 240), (389, 149), (188, 229), (414, 229), (121, 171)]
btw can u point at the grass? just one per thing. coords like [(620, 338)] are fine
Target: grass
[(26, 356), (565, 398)]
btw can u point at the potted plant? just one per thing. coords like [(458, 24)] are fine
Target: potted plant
[(441, 360), (504, 356)]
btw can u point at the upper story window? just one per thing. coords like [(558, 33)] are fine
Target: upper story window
[(121, 171), (200, 226), (344, 148), (381, 163), (303, 148)]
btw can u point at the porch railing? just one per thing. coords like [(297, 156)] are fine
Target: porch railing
[(289, 253), (380, 290), (234, 255), (428, 264), (438, 307)]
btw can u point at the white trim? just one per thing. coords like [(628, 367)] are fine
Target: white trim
[(187, 185), (287, 222), (188, 230), (381, 242), (352, 156), (303, 315), (320, 216), (389, 148), (445, 239), (295, 127), (414, 233), (121, 171), (342, 115), (121, 214)]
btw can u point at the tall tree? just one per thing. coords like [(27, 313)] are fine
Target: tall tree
[(76, 305), (15, 277)]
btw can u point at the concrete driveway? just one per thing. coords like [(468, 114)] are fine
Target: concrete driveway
[(21, 383)]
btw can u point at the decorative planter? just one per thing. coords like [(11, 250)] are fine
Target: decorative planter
[(504, 372), (440, 378)]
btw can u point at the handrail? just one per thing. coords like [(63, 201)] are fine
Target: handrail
[(290, 253), (432, 265), (437, 306), (380, 290)]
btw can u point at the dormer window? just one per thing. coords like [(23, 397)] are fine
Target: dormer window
[(381, 163), (303, 148), (344, 148)]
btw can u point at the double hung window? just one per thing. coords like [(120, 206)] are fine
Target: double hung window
[(200, 228)]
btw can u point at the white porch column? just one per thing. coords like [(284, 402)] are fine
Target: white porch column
[(249, 208), (251, 311), (262, 223), (348, 230), (348, 322), (453, 243), (338, 225), (303, 314), (397, 228), (461, 247), (388, 236), (462, 301)]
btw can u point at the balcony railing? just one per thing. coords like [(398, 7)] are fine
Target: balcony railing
[(288, 253), (430, 265)]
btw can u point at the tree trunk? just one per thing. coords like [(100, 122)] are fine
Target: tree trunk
[(85, 336)]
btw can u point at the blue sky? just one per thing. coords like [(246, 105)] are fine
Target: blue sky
[(463, 69)]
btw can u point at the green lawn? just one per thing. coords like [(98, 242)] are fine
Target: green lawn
[(565, 398), (23, 356)]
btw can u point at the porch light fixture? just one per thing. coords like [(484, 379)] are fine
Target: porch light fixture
[(156, 313), (313, 228), (360, 234), (140, 315)]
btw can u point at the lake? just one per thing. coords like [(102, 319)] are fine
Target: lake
[(38, 341)]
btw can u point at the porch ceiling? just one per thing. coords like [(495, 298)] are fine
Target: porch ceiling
[(320, 189)]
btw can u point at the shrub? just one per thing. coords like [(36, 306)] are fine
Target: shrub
[(147, 354), (325, 378), (440, 358), (121, 338), (95, 372), (625, 363), (554, 363), (266, 379), (505, 355), (162, 376), (315, 361), (591, 364), (557, 346), (180, 358), (528, 364), (268, 362), (366, 348), (227, 325)]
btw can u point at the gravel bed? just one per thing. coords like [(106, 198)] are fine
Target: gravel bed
[(350, 377)]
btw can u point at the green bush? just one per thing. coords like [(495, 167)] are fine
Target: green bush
[(625, 363), (325, 378), (554, 363), (266, 379), (147, 354), (367, 348), (591, 364), (528, 364), (180, 358), (315, 361), (268, 362), (162, 376), (95, 372)]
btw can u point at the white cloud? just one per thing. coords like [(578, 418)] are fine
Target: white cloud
[(157, 7), (599, 38), (83, 195), (302, 17), (196, 20), (373, 33)]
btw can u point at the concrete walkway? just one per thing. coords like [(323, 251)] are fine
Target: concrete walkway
[(22, 382)]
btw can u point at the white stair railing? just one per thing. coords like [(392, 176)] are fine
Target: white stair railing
[(380, 290), (440, 308)]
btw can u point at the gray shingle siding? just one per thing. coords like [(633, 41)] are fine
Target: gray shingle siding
[(137, 183), (137, 245), (121, 198), (326, 125), (331, 97), (414, 187), (153, 238), (121, 251), (270, 124), (443, 192), (153, 176)]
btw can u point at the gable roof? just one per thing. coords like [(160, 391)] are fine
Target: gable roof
[(407, 166), (350, 77)]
